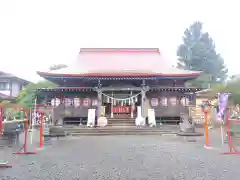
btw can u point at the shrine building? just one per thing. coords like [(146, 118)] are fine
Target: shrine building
[(114, 81)]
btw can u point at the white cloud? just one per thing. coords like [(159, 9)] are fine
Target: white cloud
[(41, 33)]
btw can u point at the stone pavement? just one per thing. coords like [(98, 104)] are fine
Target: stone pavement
[(122, 157)]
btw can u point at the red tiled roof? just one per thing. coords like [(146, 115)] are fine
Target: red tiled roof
[(120, 62)]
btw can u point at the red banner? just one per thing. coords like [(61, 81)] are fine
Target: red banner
[(121, 109)]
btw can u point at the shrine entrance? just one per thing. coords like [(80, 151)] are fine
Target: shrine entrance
[(121, 104)]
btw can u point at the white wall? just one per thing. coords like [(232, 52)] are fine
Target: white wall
[(15, 88), (5, 92)]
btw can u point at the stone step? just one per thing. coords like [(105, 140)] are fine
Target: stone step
[(121, 133), (116, 131), (130, 121), (112, 123), (121, 130), (121, 118), (121, 124), (127, 120)]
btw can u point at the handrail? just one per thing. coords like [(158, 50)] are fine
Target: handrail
[(15, 121)]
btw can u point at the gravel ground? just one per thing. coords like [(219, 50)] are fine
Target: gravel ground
[(122, 157)]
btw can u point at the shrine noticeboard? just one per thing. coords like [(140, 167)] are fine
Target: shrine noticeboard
[(122, 109)]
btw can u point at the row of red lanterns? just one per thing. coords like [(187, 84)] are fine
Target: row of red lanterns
[(75, 101)]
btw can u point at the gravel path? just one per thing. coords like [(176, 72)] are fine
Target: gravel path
[(122, 157)]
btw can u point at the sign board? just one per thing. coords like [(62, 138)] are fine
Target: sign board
[(151, 117), (91, 117), (121, 109)]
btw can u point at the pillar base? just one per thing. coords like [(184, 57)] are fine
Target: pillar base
[(4, 164), (24, 153)]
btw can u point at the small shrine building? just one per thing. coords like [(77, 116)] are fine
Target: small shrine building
[(114, 81)]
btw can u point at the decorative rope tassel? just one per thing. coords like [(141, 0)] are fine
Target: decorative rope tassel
[(129, 101), (136, 100)]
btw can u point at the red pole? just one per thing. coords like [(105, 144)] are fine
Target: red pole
[(4, 164), (41, 130), (206, 128), (30, 115), (25, 139), (26, 133), (1, 120)]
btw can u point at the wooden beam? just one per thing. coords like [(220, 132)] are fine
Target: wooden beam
[(121, 89)]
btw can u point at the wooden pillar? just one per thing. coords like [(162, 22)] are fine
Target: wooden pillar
[(131, 103), (99, 103), (143, 93), (112, 101)]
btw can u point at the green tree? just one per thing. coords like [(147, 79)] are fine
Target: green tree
[(26, 96), (232, 86), (57, 66), (198, 53)]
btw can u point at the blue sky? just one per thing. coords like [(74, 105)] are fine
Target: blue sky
[(37, 34)]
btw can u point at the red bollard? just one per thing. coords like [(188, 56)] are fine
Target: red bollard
[(41, 131), (25, 152), (3, 164), (206, 128), (228, 124), (229, 133)]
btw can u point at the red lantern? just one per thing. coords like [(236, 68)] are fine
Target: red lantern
[(86, 102)]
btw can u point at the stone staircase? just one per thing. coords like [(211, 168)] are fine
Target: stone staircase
[(115, 130), (120, 122)]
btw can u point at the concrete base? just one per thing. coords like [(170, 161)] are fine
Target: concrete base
[(4, 164), (190, 134)]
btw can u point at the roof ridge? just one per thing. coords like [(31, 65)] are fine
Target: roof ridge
[(123, 50)]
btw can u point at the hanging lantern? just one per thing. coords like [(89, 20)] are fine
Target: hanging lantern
[(136, 99), (164, 101), (154, 102), (94, 102), (86, 102), (67, 102), (173, 101), (184, 101), (76, 102), (55, 102)]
